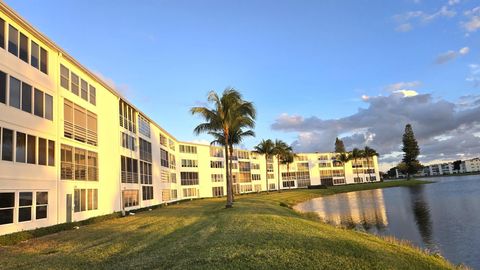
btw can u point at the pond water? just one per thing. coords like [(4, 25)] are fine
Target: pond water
[(442, 217)]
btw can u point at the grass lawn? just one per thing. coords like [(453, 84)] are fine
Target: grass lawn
[(258, 233)]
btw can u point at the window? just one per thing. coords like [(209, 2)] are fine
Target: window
[(147, 193), (14, 92), (42, 151), (189, 192), (3, 88), (171, 144), (25, 206), (174, 194), (244, 178), (13, 40), (243, 155), (21, 97), (357, 180), (51, 153), (2, 33), (23, 47), (38, 103), (41, 205), (127, 117), (255, 166), (217, 191), (244, 166), (303, 166), (189, 163), (78, 164), (171, 159), (246, 188), (85, 200), (128, 141), (7, 144), (35, 55), (189, 178), (271, 186), (145, 173), (74, 86), (256, 177), (79, 123), (92, 166), (163, 140), (130, 197), (43, 60), (7, 204), (339, 181), (26, 98), (31, 149), (144, 126), (216, 152), (163, 158), (216, 164), (188, 149), (48, 107), (21, 148), (64, 77), (93, 95), (84, 89), (217, 177), (166, 195), (145, 150), (129, 167)]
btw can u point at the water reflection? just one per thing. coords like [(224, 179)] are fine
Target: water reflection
[(421, 212), (442, 217), (363, 210)]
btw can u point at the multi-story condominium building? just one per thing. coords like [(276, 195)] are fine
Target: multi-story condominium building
[(72, 148), (472, 165)]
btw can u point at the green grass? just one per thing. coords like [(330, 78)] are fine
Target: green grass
[(258, 233)]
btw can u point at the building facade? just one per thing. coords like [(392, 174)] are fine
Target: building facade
[(72, 148)]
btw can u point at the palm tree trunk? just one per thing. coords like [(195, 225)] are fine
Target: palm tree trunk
[(369, 173), (288, 175), (266, 171), (278, 172), (229, 181), (231, 172)]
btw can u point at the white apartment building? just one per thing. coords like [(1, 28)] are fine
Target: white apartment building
[(72, 148)]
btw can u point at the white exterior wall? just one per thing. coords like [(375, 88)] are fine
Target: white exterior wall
[(18, 177), (472, 165)]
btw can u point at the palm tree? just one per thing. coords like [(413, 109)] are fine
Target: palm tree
[(356, 154), (369, 153), (265, 147), (287, 158), (344, 158), (228, 113), (280, 148), (236, 137)]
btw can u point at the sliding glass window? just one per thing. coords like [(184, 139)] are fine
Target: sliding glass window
[(13, 40)]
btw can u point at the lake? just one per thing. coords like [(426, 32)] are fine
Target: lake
[(442, 217)]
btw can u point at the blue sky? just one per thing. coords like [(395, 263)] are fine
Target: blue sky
[(296, 60)]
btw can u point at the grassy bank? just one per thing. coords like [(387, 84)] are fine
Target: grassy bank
[(258, 233)]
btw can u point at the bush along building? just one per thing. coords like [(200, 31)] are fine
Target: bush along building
[(72, 148)]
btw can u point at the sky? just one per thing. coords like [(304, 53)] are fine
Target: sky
[(360, 70)]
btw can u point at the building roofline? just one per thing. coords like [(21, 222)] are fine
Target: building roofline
[(42, 37)]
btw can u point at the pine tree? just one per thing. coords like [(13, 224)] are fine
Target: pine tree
[(410, 165), (339, 146)]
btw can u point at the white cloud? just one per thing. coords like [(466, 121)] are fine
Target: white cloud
[(450, 55), (453, 2), (123, 89), (406, 20), (443, 129), (406, 92), (464, 50), (474, 76), (404, 27), (473, 23), (402, 85)]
